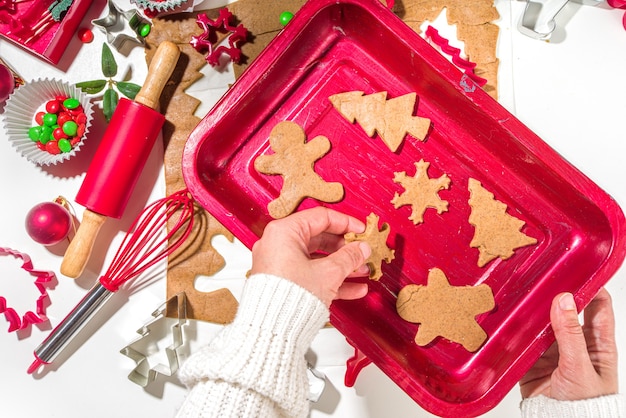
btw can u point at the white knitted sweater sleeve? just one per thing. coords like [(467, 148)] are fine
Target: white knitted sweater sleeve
[(255, 366), (610, 406)]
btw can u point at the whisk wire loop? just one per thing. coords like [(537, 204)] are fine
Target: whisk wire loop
[(145, 244)]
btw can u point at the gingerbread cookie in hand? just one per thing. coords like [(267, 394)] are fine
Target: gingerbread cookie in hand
[(294, 160)]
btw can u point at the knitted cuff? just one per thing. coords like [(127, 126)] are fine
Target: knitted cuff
[(610, 406), (263, 349)]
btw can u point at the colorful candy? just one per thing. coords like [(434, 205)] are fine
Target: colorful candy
[(60, 128), (85, 35), (285, 17)]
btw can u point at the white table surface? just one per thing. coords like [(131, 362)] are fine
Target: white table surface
[(570, 91)]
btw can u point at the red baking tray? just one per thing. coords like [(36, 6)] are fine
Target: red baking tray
[(333, 46)]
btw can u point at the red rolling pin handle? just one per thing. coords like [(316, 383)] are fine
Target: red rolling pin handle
[(120, 159)]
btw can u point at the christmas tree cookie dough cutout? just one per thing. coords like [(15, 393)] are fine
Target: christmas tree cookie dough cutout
[(377, 239), (393, 119), (446, 311), (420, 192), (294, 159), (496, 234)]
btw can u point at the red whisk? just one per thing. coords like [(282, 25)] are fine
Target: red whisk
[(141, 248)]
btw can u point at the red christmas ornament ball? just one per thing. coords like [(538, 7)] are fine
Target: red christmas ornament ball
[(48, 223), (7, 83)]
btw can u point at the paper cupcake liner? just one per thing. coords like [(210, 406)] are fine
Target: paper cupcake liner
[(19, 117)]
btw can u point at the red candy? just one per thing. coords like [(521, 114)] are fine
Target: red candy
[(85, 35), (53, 147), (39, 118), (58, 133), (82, 118), (53, 106), (64, 117)]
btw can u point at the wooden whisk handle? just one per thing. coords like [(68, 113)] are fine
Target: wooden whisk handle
[(79, 250)]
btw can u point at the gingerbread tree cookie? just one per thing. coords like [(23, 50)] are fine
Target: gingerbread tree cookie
[(294, 160), (420, 192), (377, 239), (445, 310), (392, 118), (497, 234)]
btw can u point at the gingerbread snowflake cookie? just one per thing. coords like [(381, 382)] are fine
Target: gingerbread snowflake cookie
[(496, 234), (294, 159), (420, 192), (377, 239), (445, 310)]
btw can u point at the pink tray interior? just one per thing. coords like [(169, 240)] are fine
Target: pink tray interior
[(336, 46)]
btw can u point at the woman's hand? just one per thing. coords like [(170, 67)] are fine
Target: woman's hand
[(293, 248), (582, 363)]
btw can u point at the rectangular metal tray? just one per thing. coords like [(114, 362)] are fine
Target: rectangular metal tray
[(333, 46)]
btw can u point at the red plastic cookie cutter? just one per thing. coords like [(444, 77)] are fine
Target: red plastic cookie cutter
[(204, 42), (43, 280), (455, 55)]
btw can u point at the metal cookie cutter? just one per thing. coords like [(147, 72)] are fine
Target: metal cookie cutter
[(144, 373), (542, 14), (120, 26), (317, 383)]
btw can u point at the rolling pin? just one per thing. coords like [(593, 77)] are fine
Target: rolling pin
[(120, 158)]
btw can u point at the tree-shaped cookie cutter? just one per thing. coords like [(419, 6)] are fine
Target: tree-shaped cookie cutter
[(144, 372)]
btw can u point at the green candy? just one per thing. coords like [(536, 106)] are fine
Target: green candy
[(64, 145), (145, 30), (49, 119), (285, 17), (71, 103), (70, 128), (45, 134), (34, 133)]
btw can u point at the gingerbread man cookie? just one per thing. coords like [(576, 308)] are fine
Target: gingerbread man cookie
[(445, 310), (294, 159)]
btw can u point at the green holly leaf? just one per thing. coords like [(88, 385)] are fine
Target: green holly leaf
[(109, 66), (92, 86), (109, 103), (129, 90)]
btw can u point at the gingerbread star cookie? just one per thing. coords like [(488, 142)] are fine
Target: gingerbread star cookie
[(420, 192), (496, 234), (445, 310), (377, 239), (294, 159)]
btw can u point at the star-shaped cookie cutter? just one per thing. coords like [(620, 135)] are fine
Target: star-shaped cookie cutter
[(144, 372), (116, 23)]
